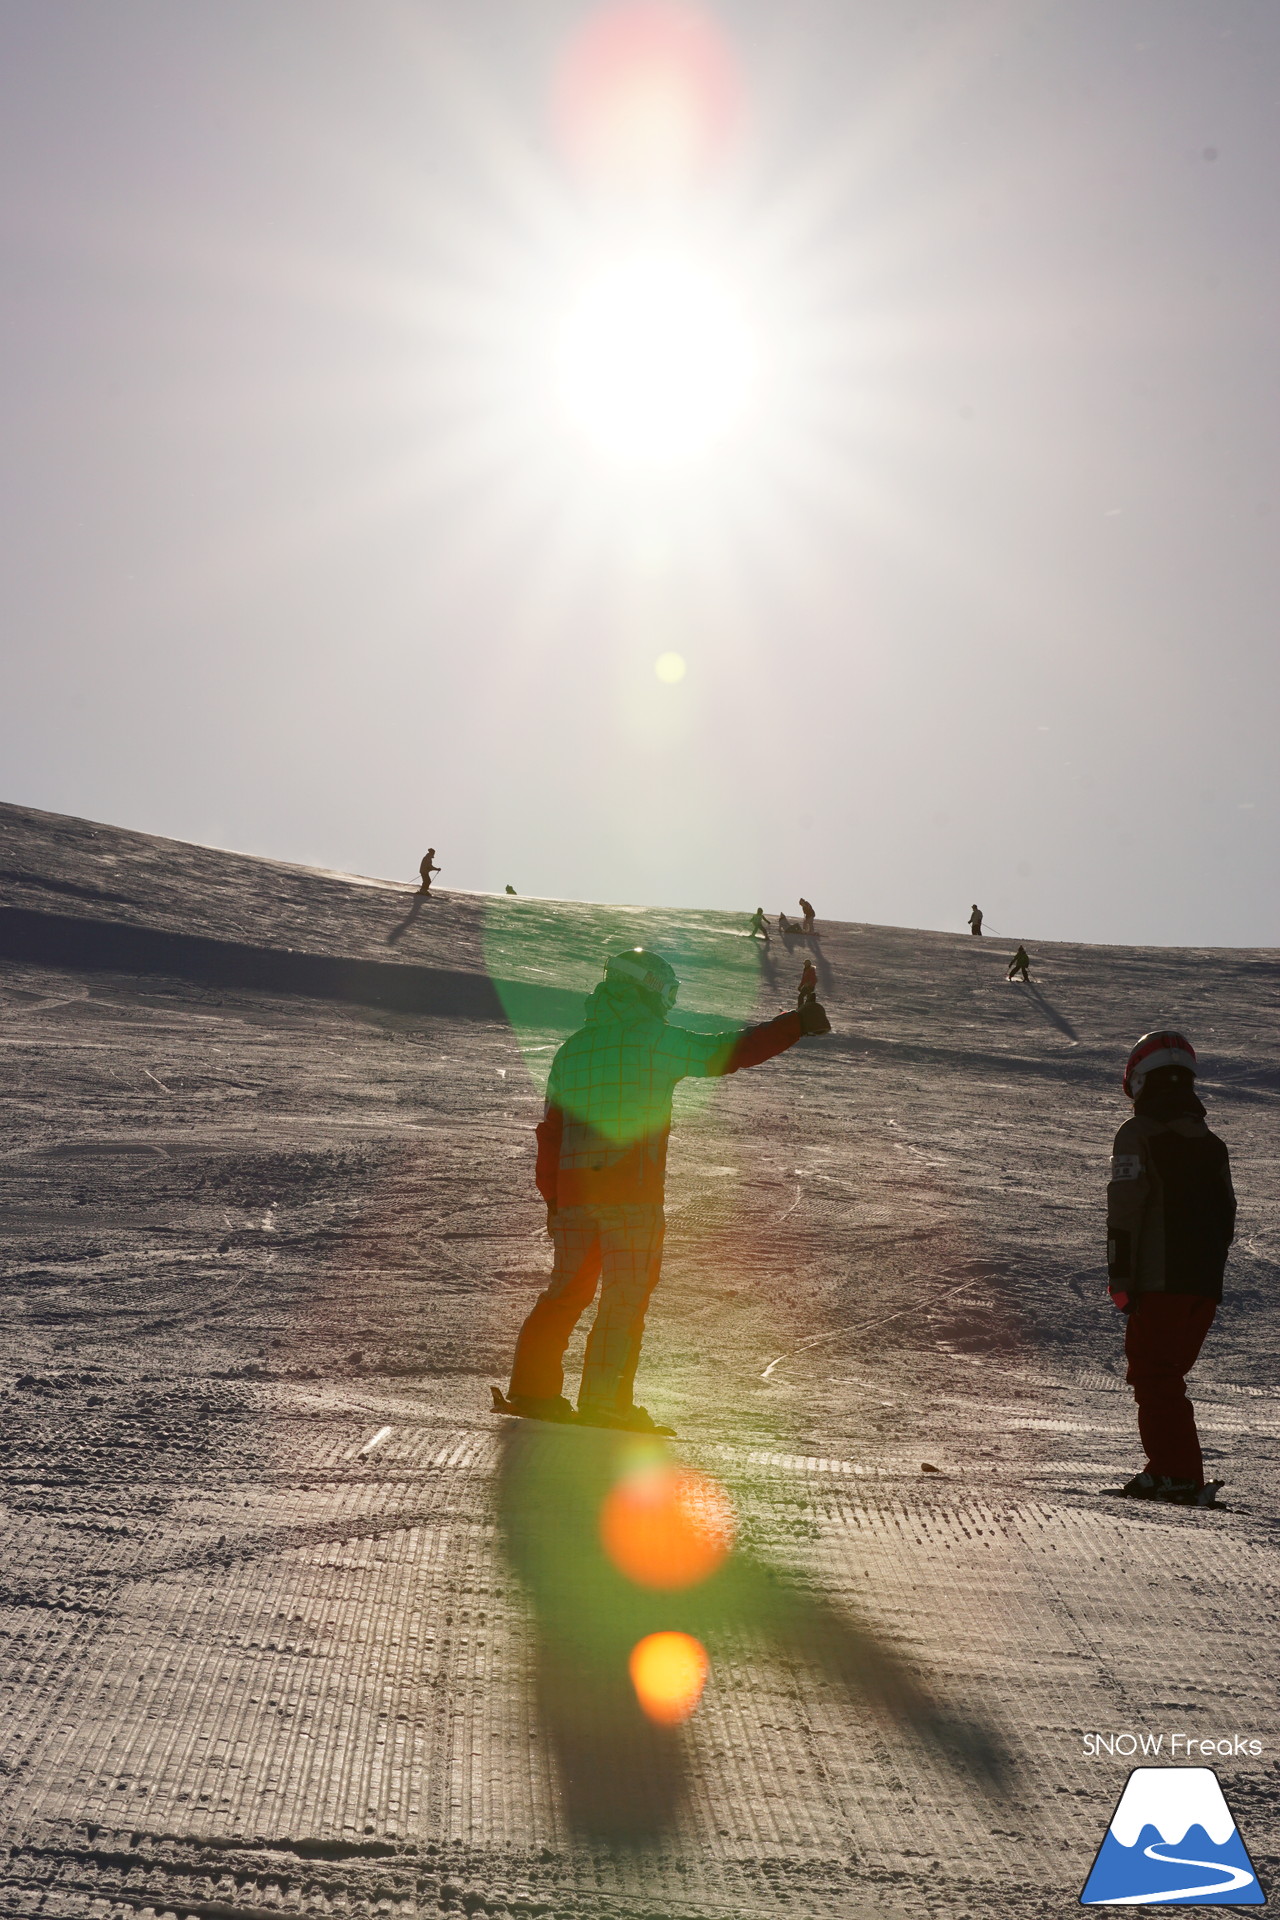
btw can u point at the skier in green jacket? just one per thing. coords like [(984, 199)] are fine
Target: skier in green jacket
[(602, 1154)]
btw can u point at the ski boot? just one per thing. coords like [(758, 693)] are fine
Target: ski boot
[(1185, 1493), (1176, 1493), (1143, 1486)]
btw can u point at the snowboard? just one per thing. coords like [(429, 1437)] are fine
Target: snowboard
[(501, 1404)]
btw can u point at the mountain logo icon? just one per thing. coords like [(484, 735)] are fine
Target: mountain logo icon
[(1172, 1842)]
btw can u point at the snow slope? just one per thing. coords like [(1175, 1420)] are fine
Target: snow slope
[(265, 1181)]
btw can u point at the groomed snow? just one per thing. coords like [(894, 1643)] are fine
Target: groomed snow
[(268, 1229)]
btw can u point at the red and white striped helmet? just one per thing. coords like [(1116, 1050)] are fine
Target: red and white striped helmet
[(1157, 1050)]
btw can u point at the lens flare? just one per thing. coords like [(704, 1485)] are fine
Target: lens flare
[(647, 95), (668, 1672), (667, 1527), (670, 667)]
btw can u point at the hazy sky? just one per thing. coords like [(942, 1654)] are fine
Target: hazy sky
[(305, 551)]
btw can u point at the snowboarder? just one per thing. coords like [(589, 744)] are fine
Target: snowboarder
[(426, 869), (784, 925), (1019, 964), (510, 888), (1171, 1217), (759, 926), (808, 985), (602, 1151), (975, 919), (806, 908)]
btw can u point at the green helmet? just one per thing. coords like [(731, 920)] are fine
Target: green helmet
[(648, 972)]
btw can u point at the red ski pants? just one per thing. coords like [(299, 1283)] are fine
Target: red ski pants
[(1162, 1342), (621, 1247)]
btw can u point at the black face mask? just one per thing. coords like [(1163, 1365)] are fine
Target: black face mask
[(1169, 1094)]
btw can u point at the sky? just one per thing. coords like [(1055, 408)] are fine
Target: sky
[(850, 471)]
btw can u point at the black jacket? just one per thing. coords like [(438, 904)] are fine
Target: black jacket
[(1171, 1208)]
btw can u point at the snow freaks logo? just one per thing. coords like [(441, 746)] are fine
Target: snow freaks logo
[(1172, 1842)]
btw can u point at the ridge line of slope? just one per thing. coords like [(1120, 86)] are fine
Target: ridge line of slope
[(56, 939)]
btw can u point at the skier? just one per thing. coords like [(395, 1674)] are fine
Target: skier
[(806, 908), (784, 925), (426, 869), (808, 985), (759, 926), (1019, 964), (602, 1151), (975, 919), (1171, 1216)]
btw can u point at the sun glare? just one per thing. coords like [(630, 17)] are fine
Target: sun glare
[(656, 361)]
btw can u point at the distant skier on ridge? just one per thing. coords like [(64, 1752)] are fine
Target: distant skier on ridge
[(426, 868), (975, 919), (602, 1154), (1171, 1214)]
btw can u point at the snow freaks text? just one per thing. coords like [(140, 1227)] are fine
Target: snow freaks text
[(1173, 1746)]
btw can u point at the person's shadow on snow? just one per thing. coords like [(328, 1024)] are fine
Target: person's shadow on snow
[(826, 979), (768, 971), (402, 926), (627, 1778), (1051, 1014)]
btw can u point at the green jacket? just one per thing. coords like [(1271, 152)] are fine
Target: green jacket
[(602, 1140)]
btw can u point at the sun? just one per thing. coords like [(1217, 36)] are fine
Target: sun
[(656, 360)]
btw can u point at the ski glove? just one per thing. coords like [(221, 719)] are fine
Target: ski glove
[(813, 1017)]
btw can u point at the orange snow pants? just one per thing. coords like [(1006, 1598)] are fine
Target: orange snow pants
[(621, 1248)]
